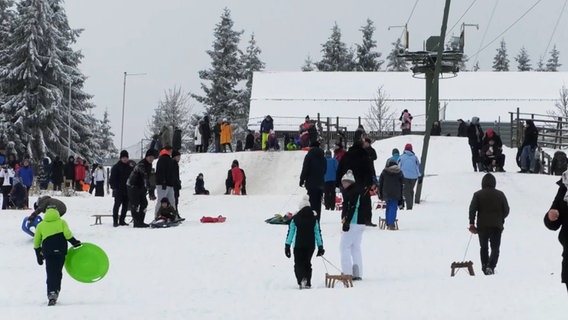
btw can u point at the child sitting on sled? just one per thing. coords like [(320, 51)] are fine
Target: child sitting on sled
[(167, 216), (304, 231)]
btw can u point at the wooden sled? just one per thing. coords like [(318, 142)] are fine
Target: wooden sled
[(464, 264), (383, 224), (346, 279)]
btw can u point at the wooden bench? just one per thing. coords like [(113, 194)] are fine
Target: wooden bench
[(98, 218)]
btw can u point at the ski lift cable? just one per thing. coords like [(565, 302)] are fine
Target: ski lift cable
[(555, 27), (409, 17), (463, 15), (508, 28), (487, 29)]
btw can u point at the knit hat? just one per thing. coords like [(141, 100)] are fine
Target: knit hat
[(150, 152), (328, 153), (348, 176), (165, 199), (304, 202), (123, 154), (489, 133), (395, 151), (408, 147), (175, 153)]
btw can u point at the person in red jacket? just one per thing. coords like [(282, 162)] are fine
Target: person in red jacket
[(237, 177), (80, 174)]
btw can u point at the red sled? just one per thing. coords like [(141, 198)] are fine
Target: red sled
[(338, 203), (213, 219)]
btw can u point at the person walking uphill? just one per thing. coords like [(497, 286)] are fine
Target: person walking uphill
[(119, 174), (304, 232), (353, 225), (410, 167), (557, 218), (165, 177), (491, 208), (390, 190), (330, 176), (474, 139), (312, 176), (138, 185), (50, 244)]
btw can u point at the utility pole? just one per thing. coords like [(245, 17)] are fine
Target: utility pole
[(433, 62), (124, 103)]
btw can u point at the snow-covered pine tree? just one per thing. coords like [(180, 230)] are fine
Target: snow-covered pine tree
[(540, 65), (523, 60), (222, 97), (174, 110), (336, 56), (367, 59), (251, 62), (394, 62), (501, 62), (108, 149), (36, 81), (6, 24), (553, 62), (308, 65)]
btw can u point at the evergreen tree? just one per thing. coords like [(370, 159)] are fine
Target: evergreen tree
[(367, 59), (6, 24), (251, 62), (222, 97), (308, 65), (540, 65), (336, 55), (394, 62), (36, 81), (553, 63), (501, 62), (173, 110), (523, 60), (108, 149)]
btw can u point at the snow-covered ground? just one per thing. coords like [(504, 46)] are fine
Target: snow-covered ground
[(237, 269)]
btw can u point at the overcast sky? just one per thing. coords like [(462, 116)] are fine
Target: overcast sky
[(167, 39)]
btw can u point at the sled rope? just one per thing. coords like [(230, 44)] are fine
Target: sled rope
[(289, 198), (324, 260)]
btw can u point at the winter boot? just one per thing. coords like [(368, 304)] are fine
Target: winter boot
[(52, 298)]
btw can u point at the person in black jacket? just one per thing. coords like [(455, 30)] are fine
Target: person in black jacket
[(165, 177), (491, 207), (475, 135), (357, 159), (304, 232), (462, 128), (217, 134), (138, 185), (528, 148), (557, 218), (249, 141), (69, 171), (353, 225), (200, 185), (312, 176), (205, 134), (57, 174), (436, 129), (176, 156), (119, 174), (390, 190)]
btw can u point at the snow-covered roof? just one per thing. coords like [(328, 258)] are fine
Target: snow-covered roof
[(289, 96)]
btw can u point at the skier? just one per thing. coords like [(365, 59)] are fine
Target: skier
[(304, 232), (50, 245), (492, 208)]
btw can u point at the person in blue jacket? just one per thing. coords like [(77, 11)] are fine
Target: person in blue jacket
[(410, 167), (304, 232), (26, 174), (329, 179)]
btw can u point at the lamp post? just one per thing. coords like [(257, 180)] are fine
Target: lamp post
[(124, 102)]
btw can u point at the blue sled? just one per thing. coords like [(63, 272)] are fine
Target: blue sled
[(26, 226)]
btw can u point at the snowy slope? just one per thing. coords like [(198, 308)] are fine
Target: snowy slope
[(237, 270)]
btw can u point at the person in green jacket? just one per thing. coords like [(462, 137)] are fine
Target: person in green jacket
[(50, 244)]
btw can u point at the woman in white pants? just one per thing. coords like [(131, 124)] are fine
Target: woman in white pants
[(353, 226)]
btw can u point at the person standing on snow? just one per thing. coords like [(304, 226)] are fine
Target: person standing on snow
[(406, 122), (475, 137), (266, 126), (353, 225), (50, 244), (165, 177), (312, 176), (390, 190), (304, 233), (69, 171), (205, 134), (119, 174), (410, 167), (528, 148), (176, 156), (138, 184), (491, 207), (329, 179), (557, 218), (226, 135), (197, 137)]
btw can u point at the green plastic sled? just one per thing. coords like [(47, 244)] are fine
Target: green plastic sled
[(87, 263)]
